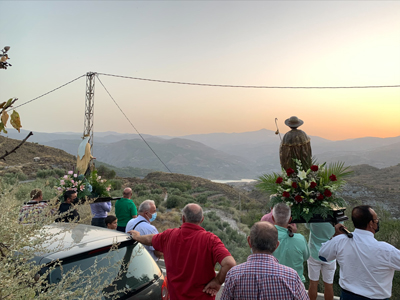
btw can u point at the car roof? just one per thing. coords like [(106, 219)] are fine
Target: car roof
[(69, 239)]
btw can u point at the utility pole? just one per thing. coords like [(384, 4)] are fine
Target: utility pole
[(89, 107), (240, 209)]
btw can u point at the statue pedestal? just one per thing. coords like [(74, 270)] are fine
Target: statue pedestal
[(338, 216)]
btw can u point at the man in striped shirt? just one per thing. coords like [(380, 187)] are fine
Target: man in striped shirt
[(262, 277)]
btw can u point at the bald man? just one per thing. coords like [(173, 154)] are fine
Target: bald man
[(190, 254), (262, 277), (125, 209)]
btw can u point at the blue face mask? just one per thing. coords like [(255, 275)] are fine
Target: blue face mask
[(153, 217)]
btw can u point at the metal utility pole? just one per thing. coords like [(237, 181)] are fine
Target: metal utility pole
[(89, 107)]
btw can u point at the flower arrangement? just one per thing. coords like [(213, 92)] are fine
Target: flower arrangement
[(308, 192), (74, 182), (93, 186), (100, 187)]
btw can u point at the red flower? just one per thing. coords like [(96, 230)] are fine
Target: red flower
[(327, 193), (314, 168), (289, 171), (298, 198), (333, 177), (320, 197), (313, 184), (286, 194), (294, 185), (279, 180)]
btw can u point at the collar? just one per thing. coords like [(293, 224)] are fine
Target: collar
[(262, 256), (280, 228), (363, 232), (191, 226), (139, 218)]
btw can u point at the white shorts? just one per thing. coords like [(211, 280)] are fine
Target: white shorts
[(315, 267)]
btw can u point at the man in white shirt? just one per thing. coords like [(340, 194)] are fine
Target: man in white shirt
[(147, 214), (366, 265)]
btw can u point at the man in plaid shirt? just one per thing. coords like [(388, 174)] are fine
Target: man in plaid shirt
[(262, 277)]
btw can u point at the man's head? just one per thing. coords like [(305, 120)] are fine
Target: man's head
[(364, 217), (192, 213), (69, 196), (36, 195), (263, 238), (127, 193), (147, 209), (111, 222), (281, 214)]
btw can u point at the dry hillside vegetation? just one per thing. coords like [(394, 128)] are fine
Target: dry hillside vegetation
[(22, 160)]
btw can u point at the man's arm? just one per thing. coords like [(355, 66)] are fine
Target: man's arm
[(328, 250), (143, 239), (214, 285)]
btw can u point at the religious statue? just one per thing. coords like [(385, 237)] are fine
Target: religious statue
[(295, 145), (84, 156)]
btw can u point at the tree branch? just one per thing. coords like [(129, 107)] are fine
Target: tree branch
[(14, 150)]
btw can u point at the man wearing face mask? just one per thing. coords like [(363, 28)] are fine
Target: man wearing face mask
[(147, 214), (366, 265)]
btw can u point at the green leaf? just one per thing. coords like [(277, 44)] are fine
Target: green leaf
[(2, 128)]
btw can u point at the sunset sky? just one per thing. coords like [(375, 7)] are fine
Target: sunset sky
[(261, 43)]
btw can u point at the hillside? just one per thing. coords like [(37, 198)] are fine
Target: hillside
[(22, 160)]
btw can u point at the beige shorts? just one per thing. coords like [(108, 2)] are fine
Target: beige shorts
[(315, 267)]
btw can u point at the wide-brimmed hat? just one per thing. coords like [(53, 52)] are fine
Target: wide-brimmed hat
[(293, 122)]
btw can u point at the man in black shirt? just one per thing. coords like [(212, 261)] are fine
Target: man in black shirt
[(67, 211)]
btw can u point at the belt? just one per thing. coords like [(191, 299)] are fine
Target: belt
[(359, 297)]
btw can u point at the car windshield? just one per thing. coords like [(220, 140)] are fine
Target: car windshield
[(128, 268)]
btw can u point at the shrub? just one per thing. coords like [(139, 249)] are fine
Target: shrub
[(116, 184), (175, 201)]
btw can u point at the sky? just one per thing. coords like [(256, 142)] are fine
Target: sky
[(244, 43)]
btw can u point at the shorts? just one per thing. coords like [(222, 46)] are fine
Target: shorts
[(315, 267)]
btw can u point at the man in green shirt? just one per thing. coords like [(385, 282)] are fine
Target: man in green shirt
[(320, 233), (125, 209), (292, 251)]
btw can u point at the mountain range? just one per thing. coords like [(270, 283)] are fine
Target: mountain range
[(217, 155)]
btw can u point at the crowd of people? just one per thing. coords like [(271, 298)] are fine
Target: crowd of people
[(274, 270)]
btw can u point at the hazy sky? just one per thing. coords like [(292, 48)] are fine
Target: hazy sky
[(264, 43)]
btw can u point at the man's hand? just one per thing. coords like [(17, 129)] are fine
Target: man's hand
[(212, 287), (338, 230), (134, 234), (292, 228)]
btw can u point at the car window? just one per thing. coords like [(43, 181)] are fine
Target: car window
[(128, 268)]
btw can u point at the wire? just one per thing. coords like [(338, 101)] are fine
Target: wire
[(47, 92), (133, 125), (255, 86)]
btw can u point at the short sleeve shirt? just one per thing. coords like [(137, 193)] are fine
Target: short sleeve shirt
[(144, 227), (190, 254), (125, 209), (292, 251)]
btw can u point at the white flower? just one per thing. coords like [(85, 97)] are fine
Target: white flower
[(289, 203), (302, 175), (75, 175), (288, 182), (311, 200), (306, 184), (306, 210)]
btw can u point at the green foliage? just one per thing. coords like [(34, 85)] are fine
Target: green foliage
[(201, 199), (139, 187), (100, 188), (116, 184), (13, 178), (175, 202), (182, 186), (50, 173), (105, 172)]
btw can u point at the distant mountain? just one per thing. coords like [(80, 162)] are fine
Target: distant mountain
[(219, 155)]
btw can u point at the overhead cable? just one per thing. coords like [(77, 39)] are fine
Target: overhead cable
[(133, 126), (254, 86), (47, 92)]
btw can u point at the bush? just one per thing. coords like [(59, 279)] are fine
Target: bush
[(116, 184), (175, 201), (50, 173), (106, 172)]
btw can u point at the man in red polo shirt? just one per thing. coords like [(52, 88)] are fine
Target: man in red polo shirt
[(190, 254)]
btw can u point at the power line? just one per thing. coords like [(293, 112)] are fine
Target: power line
[(254, 86), (133, 125), (47, 92)]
